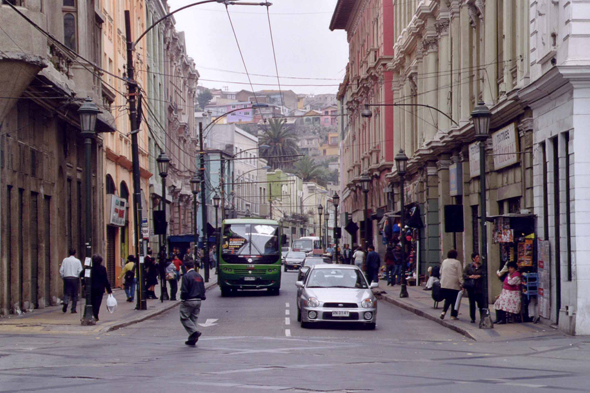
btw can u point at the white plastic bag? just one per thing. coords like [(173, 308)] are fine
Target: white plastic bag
[(111, 303)]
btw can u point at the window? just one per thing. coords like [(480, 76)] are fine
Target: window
[(69, 19)]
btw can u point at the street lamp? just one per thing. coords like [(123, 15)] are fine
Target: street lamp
[(216, 200), (365, 180), (336, 202), (195, 188), (320, 212), (401, 164), (481, 116), (163, 164), (88, 113)]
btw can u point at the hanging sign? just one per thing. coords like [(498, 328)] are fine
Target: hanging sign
[(505, 146), (118, 211), (456, 179), (474, 159)]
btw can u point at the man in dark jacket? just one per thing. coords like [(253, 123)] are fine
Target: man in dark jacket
[(373, 263), (192, 291)]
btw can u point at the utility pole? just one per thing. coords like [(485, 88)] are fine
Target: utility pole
[(222, 186), (132, 89), (204, 203)]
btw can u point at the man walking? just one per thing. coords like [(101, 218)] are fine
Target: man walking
[(70, 270), (451, 282), (192, 292), (373, 264), (347, 254)]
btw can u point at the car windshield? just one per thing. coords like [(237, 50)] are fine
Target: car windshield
[(285, 249), (337, 278), (314, 261), (255, 242), (296, 255)]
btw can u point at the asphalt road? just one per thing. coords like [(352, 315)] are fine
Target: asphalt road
[(255, 344)]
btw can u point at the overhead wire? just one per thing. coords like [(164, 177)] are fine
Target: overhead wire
[(274, 54)]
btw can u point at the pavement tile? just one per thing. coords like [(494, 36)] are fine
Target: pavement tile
[(51, 320), (420, 303)]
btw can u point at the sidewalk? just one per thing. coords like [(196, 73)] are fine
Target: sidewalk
[(52, 320), (420, 303)]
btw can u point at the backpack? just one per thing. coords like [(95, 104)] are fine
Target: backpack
[(129, 275), (437, 295)]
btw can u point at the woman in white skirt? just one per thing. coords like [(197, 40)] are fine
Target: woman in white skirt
[(509, 300)]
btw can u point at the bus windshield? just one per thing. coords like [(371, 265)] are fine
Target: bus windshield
[(250, 243), (306, 245)]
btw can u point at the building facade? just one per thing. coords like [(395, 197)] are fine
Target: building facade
[(366, 146), (42, 160)]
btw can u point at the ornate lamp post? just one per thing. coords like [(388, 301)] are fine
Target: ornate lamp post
[(365, 180), (336, 202), (216, 200), (88, 113), (163, 164), (195, 188), (401, 164), (320, 212), (481, 116)]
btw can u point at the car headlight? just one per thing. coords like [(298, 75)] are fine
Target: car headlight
[(368, 303), (313, 302)]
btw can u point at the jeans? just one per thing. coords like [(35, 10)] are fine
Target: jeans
[(71, 285), (189, 312), (394, 274), (450, 296), (473, 299), (130, 288)]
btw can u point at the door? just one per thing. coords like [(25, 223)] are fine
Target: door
[(111, 256)]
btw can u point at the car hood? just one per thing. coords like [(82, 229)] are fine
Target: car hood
[(348, 295), (294, 260)]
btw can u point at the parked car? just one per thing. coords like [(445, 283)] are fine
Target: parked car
[(294, 260), (336, 294)]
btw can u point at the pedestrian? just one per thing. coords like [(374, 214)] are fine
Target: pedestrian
[(359, 257), (212, 257), (129, 282), (188, 256), (473, 283), (171, 277), (346, 254), (192, 292), (390, 267), (373, 263), (151, 275), (451, 281), (178, 265), (100, 283), (509, 299), (70, 270), (398, 261)]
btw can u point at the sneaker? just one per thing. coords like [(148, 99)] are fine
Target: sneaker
[(194, 337), (65, 307), (454, 319), (74, 312), (190, 343), (442, 315)]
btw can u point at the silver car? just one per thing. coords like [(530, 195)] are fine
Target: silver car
[(294, 260), (336, 293)]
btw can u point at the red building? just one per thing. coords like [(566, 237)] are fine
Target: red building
[(366, 144)]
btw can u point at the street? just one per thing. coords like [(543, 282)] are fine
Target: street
[(246, 346)]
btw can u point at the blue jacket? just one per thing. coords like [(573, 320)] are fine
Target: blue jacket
[(373, 260)]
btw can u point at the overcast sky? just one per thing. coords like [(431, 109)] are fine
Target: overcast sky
[(305, 46)]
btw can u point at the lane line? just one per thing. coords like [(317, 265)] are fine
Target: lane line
[(287, 305), (287, 321), (287, 312), (288, 332)]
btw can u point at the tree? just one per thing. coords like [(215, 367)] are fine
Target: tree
[(308, 170), (281, 144), (204, 98)]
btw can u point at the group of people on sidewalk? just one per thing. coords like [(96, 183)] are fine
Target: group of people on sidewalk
[(454, 279), (71, 271)]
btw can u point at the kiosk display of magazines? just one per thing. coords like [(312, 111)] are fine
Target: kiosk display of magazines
[(515, 234)]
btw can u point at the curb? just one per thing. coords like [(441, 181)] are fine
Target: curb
[(148, 316), (423, 314)]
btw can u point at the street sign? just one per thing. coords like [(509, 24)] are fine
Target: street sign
[(145, 230)]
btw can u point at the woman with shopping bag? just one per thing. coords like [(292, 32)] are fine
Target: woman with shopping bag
[(100, 283)]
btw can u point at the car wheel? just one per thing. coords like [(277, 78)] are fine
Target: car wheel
[(371, 326), (286, 268), (298, 315)]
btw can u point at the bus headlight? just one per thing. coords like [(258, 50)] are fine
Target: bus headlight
[(227, 270), (368, 303)]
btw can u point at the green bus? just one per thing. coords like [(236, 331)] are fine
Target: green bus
[(249, 255)]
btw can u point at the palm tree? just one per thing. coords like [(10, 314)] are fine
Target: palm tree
[(281, 144), (307, 169)]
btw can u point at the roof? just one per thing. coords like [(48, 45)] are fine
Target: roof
[(342, 13), (250, 220), (333, 266)]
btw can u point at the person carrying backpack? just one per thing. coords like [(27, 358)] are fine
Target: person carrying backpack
[(129, 282)]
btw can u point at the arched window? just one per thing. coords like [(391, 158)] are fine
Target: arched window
[(124, 191), (110, 185), (69, 16)]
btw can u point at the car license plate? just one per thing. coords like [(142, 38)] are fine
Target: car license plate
[(249, 278), (340, 313)]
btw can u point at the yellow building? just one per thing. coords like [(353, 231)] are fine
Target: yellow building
[(331, 147), (118, 190)]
